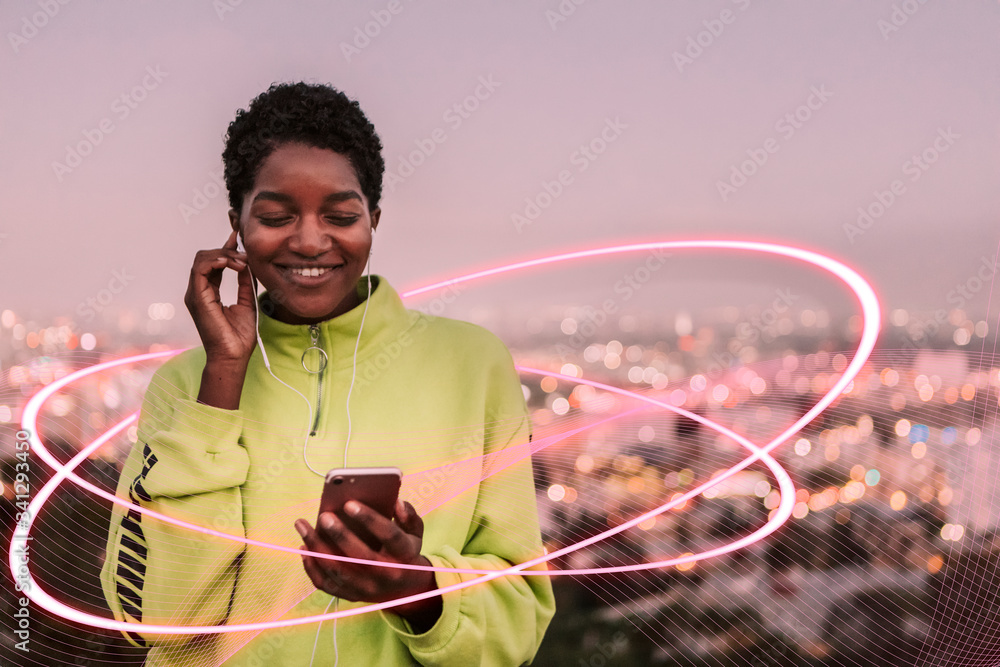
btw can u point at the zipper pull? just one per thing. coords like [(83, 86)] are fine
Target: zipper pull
[(314, 335)]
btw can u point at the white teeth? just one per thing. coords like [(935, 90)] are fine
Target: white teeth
[(310, 272)]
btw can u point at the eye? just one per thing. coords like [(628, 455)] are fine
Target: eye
[(342, 220), (273, 221)]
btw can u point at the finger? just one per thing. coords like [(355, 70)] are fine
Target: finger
[(203, 287), (394, 540), (326, 574), (313, 571), (213, 274), (209, 264), (231, 247), (206, 279), (411, 521), (230, 243), (230, 258), (314, 542), (338, 536), (330, 581)]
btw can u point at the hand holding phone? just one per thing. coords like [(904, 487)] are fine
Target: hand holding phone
[(401, 530)]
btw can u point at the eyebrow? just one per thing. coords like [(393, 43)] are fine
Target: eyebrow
[(334, 197)]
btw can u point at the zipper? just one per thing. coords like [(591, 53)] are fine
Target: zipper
[(314, 334)]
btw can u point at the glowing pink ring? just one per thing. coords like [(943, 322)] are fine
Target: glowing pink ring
[(871, 320), (99, 442), (65, 472)]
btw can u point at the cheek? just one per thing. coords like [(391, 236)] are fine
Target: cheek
[(261, 243), (360, 244)]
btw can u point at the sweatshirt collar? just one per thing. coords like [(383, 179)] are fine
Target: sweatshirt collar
[(386, 318)]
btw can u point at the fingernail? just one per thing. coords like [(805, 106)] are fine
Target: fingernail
[(301, 529), (352, 508), (329, 523), (400, 507)]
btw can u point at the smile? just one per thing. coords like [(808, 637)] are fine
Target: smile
[(309, 276), (313, 272)]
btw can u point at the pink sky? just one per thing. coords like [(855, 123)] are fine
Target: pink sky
[(878, 97)]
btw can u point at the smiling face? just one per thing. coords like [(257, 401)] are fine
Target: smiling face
[(307, 232)]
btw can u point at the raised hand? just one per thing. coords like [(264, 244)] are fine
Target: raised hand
[(228, 333)]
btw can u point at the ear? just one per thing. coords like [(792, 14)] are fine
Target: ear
[(234, 220), (375, 214)]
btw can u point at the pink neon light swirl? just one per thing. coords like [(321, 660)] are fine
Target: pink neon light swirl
[(871, 324)]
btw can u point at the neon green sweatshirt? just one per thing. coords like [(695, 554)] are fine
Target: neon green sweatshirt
[(438, 398)]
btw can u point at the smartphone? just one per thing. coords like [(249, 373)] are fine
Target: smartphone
[(377, 488)]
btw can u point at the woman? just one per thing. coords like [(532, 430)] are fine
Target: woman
[(331, 372)]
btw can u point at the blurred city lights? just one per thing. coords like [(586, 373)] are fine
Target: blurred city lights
[(897, 500)]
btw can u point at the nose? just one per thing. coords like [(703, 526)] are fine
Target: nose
[(309, 238)]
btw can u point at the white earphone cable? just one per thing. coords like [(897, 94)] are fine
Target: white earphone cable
[(333, 600)]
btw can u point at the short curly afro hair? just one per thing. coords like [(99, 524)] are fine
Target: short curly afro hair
[(317, 115)]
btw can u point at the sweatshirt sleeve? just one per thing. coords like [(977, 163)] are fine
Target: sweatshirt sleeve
[(188, 464), (500, 622)]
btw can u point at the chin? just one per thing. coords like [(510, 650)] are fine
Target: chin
[(322, 313)]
